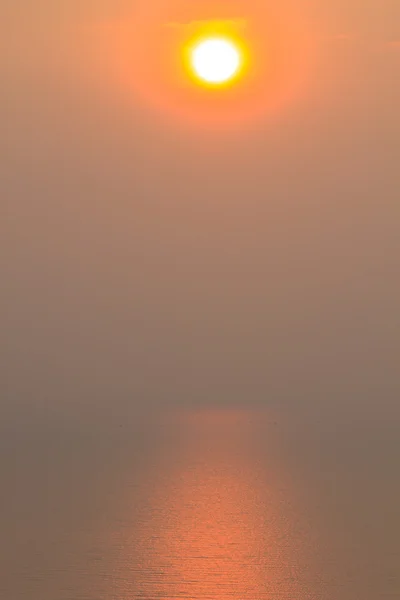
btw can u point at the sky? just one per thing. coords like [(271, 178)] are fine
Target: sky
[(150, 257)]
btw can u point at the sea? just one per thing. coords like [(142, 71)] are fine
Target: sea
[(201, 503)]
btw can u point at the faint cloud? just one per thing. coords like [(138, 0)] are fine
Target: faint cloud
[(237, 23), (388, 46), (341, 37), (345, 37), (393, 45), (365, 42)]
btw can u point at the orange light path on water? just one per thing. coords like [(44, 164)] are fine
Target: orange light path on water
[(214, 531)]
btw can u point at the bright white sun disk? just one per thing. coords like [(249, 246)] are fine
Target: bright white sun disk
[(216, 60)]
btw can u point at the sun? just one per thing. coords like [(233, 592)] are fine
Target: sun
[(216, 60)]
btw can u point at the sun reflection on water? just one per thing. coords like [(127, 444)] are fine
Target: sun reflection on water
[(215, 528)]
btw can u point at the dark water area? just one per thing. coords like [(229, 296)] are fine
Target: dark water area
[(212, 504)]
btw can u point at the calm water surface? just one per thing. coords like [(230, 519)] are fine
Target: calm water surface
[(211, 505)]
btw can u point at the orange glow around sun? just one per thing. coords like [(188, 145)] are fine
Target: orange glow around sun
[(207, 62)]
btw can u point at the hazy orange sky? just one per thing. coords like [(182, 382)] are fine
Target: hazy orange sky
[(147, 259)]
